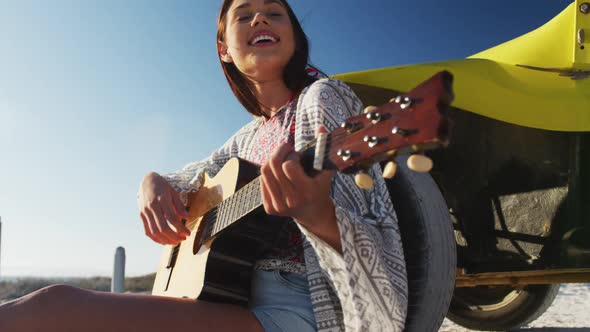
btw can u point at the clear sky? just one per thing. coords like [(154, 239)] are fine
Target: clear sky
[(95, 94)]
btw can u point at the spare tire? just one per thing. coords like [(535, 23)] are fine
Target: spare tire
[(429, 246)]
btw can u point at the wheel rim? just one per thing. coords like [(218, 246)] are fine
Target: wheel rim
[(486, 298)]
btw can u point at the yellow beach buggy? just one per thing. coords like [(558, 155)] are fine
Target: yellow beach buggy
[(503, 218)]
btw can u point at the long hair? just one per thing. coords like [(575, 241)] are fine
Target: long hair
[(295, 74)]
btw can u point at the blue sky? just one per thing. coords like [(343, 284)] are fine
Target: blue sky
[(95, 94)]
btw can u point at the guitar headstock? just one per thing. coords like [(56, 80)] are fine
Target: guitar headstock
[(412, 122)]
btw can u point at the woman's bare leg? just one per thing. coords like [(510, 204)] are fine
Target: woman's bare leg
[(65, 308)]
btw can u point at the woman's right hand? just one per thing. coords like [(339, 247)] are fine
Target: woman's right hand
[(159, 208)]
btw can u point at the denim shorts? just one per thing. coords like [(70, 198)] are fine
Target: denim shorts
[(281, 301)]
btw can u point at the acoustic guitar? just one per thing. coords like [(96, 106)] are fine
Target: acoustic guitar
[(229, 229)]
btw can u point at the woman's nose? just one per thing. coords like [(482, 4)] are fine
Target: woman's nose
[(259, 18)]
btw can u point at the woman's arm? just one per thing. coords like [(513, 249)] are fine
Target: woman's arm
[(162, 199)]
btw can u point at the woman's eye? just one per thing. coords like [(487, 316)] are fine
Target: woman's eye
[(276, 14), (244, 18)]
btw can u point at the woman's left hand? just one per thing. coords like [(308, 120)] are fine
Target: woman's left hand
[(288, 191)]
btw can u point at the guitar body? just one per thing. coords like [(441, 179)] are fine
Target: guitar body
[(218, 270)]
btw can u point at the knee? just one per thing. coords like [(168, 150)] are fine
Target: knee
[(43, 305), (56, 295)]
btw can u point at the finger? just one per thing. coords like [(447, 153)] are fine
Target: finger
[(294, 185), (178, 205), (321, 130), (174, 220), (146, 227), (294, 172), (265, 196), (171, 210), (275, 194), (288, 191), (181, 210), (162, 225), (325, 176), (282, 152), (155, 233)]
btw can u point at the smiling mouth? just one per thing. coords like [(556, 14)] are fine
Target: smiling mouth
[(264, 40)]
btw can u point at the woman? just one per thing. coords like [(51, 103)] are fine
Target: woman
[(342, 268)]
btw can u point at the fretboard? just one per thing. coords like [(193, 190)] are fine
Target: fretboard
[(233, 208)]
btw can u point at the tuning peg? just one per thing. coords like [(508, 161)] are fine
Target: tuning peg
[(389, 170), (370, 109), (419, 163), (363, 180)]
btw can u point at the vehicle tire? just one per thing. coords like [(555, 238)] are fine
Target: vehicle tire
[(500, 308), (429, 247)]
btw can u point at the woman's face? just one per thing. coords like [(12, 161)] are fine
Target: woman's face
[(259, 38)]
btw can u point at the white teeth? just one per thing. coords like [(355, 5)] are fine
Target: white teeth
[(265, 38)]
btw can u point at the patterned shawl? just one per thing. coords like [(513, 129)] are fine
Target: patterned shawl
[(365, 288)]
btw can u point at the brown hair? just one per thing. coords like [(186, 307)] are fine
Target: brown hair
[(295, 74)]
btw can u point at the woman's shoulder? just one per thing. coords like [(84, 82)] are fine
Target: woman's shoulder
[(326, 85), (329, 94), (245, 131), (250, 126)]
